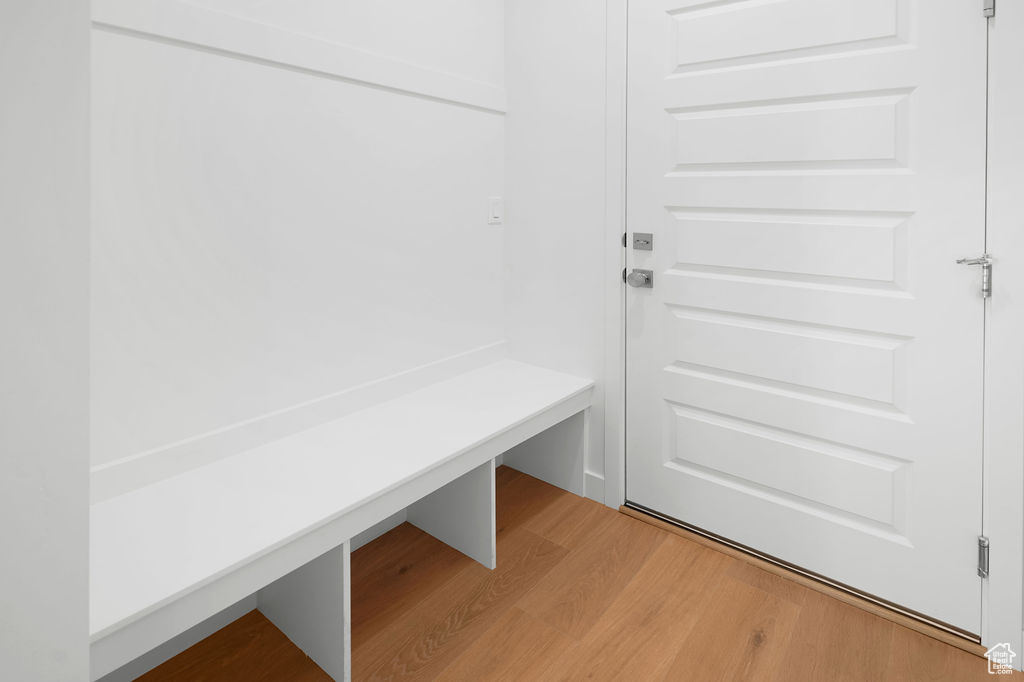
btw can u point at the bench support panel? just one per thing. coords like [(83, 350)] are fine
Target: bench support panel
[(461, 514), (312, 606), (557, 456)]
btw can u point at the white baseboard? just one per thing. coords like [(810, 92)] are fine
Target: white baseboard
[(120, 476), (593, 485)]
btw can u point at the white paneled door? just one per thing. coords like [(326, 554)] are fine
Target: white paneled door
[(805, 375)]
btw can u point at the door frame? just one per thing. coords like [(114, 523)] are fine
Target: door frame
[(1003, 477), (1002, 594), (615, 256)]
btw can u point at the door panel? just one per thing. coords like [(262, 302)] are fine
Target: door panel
[(805, 375)]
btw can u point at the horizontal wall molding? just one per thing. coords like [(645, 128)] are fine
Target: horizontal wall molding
[(132, 472), (202, 28)]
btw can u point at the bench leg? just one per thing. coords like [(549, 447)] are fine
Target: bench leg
[(461, 514), (312, 606)]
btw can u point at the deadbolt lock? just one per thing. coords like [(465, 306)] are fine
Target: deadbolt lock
[(643, 241)]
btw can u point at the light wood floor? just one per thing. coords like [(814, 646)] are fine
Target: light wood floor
[(581, 592)]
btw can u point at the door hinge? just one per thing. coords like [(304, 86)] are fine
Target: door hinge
[(988, 8), (624, 240), (985, 261), (983, 547)]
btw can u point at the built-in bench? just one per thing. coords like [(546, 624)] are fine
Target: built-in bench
[(278, 521)]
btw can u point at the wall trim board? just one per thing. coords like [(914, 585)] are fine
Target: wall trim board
[(123, 475), (44, 348), (614, 483), (182, 23)]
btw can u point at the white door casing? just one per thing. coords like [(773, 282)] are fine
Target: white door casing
[(805, 377)]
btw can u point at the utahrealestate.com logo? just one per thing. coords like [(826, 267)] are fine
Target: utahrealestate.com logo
[(1000, 660)]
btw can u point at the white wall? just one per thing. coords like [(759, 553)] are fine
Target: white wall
[(289, 202), (44, 228), (556, 232)]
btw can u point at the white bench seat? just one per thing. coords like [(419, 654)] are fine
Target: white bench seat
[(167, 556)]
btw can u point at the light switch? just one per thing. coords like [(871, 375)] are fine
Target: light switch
[(495, 210)]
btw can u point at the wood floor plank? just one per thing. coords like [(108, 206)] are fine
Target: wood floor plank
[(517, 647), (745, 635), (772, 583), (395, 573), (251, 649), (918, 658), (568, 520), (640, 634), (837, 641), (503, 475), (575, 593), (428, 637), (523, 498), (817, 585)]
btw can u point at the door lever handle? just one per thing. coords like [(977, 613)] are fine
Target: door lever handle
[(985, 261), (642, 279), (982, 261)]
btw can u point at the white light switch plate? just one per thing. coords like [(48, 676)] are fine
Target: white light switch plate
[(495, 210)]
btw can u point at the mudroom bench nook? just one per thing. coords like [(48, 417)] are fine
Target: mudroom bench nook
[(279, 521)]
